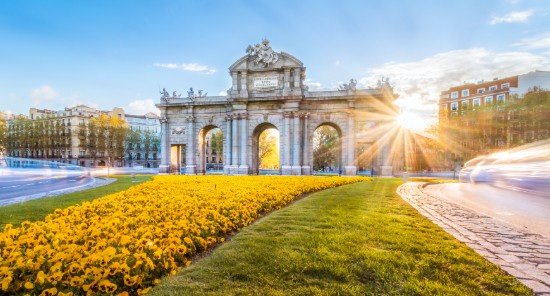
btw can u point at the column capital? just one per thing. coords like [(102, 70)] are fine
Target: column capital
[(229, 117), (304, 115), (190, 118), (163, 120), (242, 115), (288, 114)]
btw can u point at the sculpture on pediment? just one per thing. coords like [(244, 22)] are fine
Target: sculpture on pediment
[(165, 95), (352, 85), (175, 95), (383, 82), (262, 53), (191, 94)]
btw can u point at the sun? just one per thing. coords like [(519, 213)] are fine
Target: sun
[(411, 121)]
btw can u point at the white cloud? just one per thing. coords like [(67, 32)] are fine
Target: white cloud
[(43, 94), (193, 67), (539, 42), (141, 107), (512, 17), (337, 63), (420, 83), (222, 93)]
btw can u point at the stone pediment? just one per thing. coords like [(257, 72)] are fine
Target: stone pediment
[(247, 62)]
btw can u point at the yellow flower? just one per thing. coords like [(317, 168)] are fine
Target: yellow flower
[(49, 292), (6, 282), (29, 285)]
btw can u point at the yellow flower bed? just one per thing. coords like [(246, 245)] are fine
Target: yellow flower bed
[(123, 243)]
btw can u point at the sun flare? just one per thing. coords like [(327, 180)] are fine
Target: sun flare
[(411, 121)]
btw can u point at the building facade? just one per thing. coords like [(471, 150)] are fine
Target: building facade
[(63, 136), (143, 140), (485, 117), (268, 91)]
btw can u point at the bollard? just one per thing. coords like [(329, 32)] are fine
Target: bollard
[(133, 175), (405, 176)]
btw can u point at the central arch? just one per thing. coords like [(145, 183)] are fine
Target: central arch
[(258, 131)]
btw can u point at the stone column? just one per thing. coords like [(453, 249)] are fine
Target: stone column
[(286, 82), (227, 145), (350, 168), (306, 168), (235, 85), (243, 165), (190, 167), (164, 166), (296, 151), (234, 145), (286, 168), (297, 82), (244, 91)]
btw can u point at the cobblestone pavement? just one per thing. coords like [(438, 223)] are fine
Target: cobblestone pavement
[(520, 253)]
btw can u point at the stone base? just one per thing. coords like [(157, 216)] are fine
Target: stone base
[(306, 170), (350, 170), (190, 169), (386, 170), (286, 170), (296, 170), (231, 169), (164, 169), (243, 170)]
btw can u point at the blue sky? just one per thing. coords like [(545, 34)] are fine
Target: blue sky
[(109, 54)]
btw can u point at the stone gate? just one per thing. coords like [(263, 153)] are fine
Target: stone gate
[(268, 91)]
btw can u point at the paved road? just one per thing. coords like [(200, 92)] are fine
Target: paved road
[(517, 208), (19, 183), (518, 251)]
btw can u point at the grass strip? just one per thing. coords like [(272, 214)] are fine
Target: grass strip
[(38, 209), (359, 239)]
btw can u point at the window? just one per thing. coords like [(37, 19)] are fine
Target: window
[(481, 90), (465, 92), (82, 153), (500, 98), (101, 154), (454, 106), (454, 95), (489, 100), (493, 88), (505, 85), (464, 104), (476, 102)]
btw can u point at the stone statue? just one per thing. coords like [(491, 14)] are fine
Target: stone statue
[(262, 53), (175, 95), (191, 93), (383, 82), (201, 95), (165, 96), (352, 85)]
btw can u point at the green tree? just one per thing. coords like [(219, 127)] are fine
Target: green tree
[(326, 148), (3, 134), (216, 143), (268, 153)]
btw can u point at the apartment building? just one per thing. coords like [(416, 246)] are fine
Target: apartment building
[(488, 116), (62, 136)]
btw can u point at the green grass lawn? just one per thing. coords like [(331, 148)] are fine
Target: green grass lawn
[(38, 209), (359, 239)]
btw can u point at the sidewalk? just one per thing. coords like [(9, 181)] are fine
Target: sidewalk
[(518, 252)]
